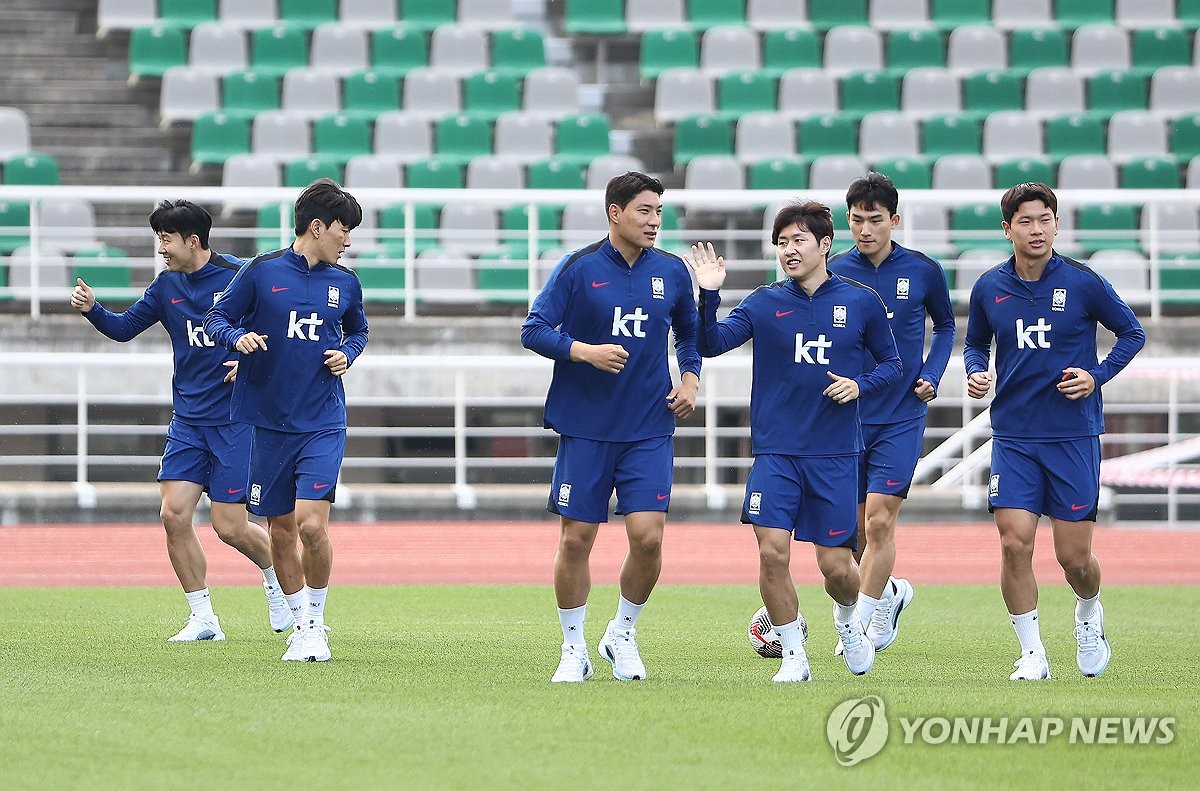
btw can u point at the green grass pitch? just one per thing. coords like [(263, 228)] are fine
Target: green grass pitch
[(448, 687)]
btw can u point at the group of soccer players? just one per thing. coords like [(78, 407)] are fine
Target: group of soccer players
[(840, 389)]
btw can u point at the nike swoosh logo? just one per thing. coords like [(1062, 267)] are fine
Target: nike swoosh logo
[(836, 533), (662, 496), (277, 289), (1001, 299), (237, 491), (177, 301), (779, 314), (1077, 507), (894, 483), (320, 486), (599, 285)]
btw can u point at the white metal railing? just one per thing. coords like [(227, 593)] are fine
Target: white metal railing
[(467, 387), (523, 257)]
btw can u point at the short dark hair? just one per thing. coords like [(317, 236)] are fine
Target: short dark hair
[(1030, 190), (627, 186), (326, 201), (182, 217), (873, 189), (813, 216)]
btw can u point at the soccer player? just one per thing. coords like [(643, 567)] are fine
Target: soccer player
[(813, 332), (604, 318), (1041, 309), (297, 318), (912, 285), (205, 450)]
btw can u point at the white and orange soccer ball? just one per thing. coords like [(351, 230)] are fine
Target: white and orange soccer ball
[(763, 637)]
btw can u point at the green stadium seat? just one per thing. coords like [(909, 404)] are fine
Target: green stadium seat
[(790, 49), (949, 14), (489, 94), (301, 172), (824, 14), (907, 173), (594, 17), (245, 94), (1150, 173), (274, 226), (503, 276), (517, 50), (986, 92), (1155, 47), (367, 94), (582, 137), (1068, 135), (340, 137), (434, 173), (186, 13), (307, 14), (514, 227), (275, 49), (31, 168), (1018, 171), (218, 136), (556, 173), (1107, 226), (1111, 91), (428, 14), (822, 135), (977, 226), (950, 134), (1035, 48), (911, 49), (1188, 13), (425, 227), (741, 92), (381, 274), (667, 49), (868, 91), (701, 135), (1179, 272), (460, 138), (398, 50), (703, 14), (153, 50), (777, 174), (1185, 137), (14, 225), (102, 268), (1071, 14)]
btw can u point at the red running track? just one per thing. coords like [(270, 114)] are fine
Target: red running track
[(522, 552)]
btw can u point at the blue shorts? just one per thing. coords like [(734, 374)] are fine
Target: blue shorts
[(813, 497), (586, 471), (891, 456), (216, 457), (286, 467), (1060, 479)]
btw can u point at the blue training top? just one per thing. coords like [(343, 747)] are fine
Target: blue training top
[(304, 313), (1040, 328), (595, 297), (798, 340), (179, 301), (911, 285)]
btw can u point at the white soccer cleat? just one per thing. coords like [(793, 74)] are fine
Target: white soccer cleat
[(314, 644), (199, 628), (1032, 666), (1094, 651), (858, 652), (885, 622), (794, 667), (295, 644), (277, 608), (574, 666), (619, 646)]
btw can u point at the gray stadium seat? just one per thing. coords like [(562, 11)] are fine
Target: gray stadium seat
[(1136, 133), (1086, 172), (976, 48), (469, 228), (899, 14), (1192, 181), (771, 14), (1145, 13), (1175, 90), (248, 170), (926, 228), (605, 167), (247, 13), (367, 14), (835, 172), (764, 135), (1178, 228), (681, 92), (310, 93), (805, 92), (458, 49), (374, 172), (1099, 47), (338, 49), (551, 92), (1127, 270), (583, 223), (1015, 14), (1054, 90), (124, 15), (850, 48), (888, 134), (66, 224), (1011, 134), (495, 172), (928, 90), (217, 48), (643, 15), (726, 48), (54, 275), (962, 172), (713, 172), (431, 93), (444, 276), (403, 136), (523, 137), (486, 14), (185, 94), (280, 136)]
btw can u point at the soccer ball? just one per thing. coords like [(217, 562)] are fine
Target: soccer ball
[(763, 637)]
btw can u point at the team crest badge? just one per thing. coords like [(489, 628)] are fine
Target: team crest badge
[(656, 288), (902, 288), (564, 494), (994, 486), (255, 493), (755, 503), (1059, 300), (334, 296), (839, 315)]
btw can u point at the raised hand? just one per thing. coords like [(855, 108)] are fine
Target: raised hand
[(708, 266), (82, 296)]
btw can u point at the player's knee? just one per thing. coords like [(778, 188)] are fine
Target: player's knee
[(312, 529), (1075, 565), (646, 544), (771, 557), (1015, 547), (574, 545), (175, 517), (879, 529)]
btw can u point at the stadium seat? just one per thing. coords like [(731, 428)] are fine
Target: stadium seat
[(1174, 226), (374, 172), (594, 17), (381, 274), (486, 14), (907, 173), (580, 138), (767, 15), (435, 173), (642, 16), (1108, 226), (1145, 13), (986, 92), (834, 172), (66, 224), (1185, 137), (973, 48), (340, 137), (726, 49), (712, 172), (887, 134), (604, 168), (368, 94), (523, 138), (1077, 133), (457, 49), (404, 137), (458, 139), (555, 174), (870, 91), (280, 136), (1134, 134), (307, 14), (667, 49), (186, 93), (1016, 14), (247, 14), (1127, 270), (764, 135), (910, 49), (1087, 171), (826, 14), (926, 228), (124, 15), (706, 14), (54, 283), (824, 135), (398, 50), (898, 14), (949, 14), (1023, 169), (428, 14), (1099, 47), (514, 227), (1175, 90), (741, 92), (153, 50), (1054, 90), (977, 226), (1033, 48), (679, 93), (248, 170), (1179, 272), (309, 93), (431, 93), (850, 49), (961, 172), (14, 225), (930, 91), (552, 92), (807, 92), (1150, 173), (701, 135), (492, 172), (1010, 134), (245, 94), (218, 136), (488, 94), (950, 134), (186, 13), (299, 173), (31, 168), (101, 268), (446, 277), (276, 49), (1188, 12), (338, 49), (1192, 180), (1156, 47), (1112, 91), (367, 14), (781, 173), (503, 276), (1071, 14), (393, 229), (468, 228), (790, 49), (517, 50)]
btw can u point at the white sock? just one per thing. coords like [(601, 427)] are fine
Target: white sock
[(889, 589), (627, 613), (1028, 631), (790, 636), (200, 603), (315, 612), (269, 578), (844, 613), (1087, 609), (866, 606), (297, 602), (572, 624)]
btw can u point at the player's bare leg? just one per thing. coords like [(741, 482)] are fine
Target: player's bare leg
[(572, 584), (1073, 548), (842, 584), (1018, 586), (179, 500)]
